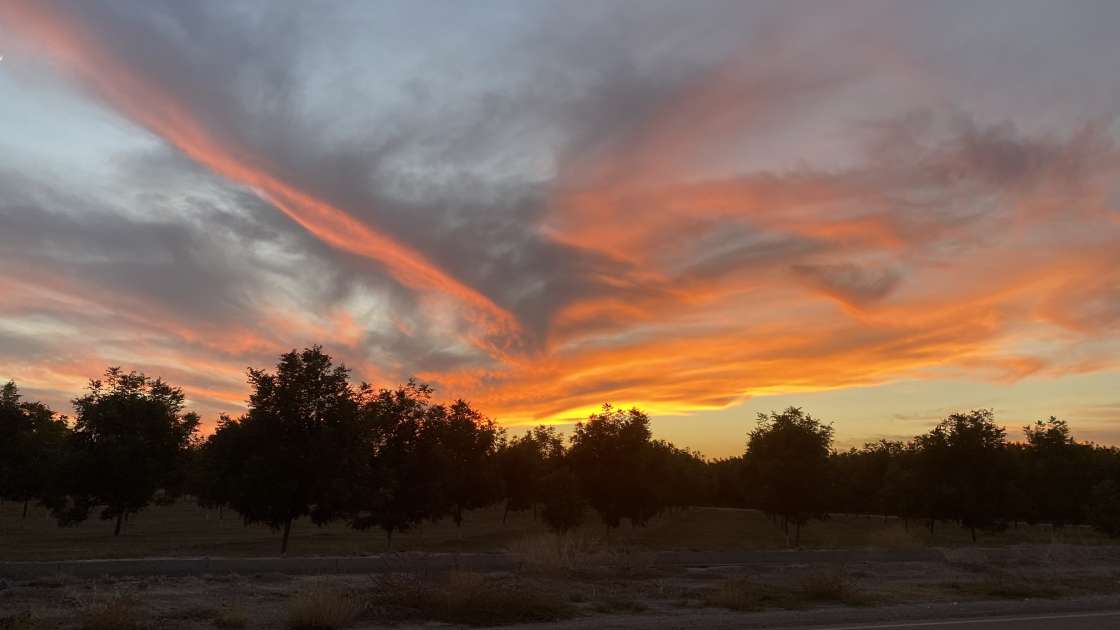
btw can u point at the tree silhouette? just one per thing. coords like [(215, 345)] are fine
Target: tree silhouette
[(401, 483), (524, 462), (467, 444), (966, 463), (130, 440), (31, 446), (788, 457), (298, 449), (612, 457), (1056, 471)]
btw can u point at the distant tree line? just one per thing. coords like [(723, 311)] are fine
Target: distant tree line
[(313, 444)]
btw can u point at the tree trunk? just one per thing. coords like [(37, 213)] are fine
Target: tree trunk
[(973, 530), (505, 513), (120, 519), (389, 540), (284, 540), (797, 534), (220, 510), (25, 502), (931, 526)]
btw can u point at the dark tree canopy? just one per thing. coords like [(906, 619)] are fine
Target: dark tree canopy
[(524, 462), (298, 449), (32, 438), (613, 456), (129, 442), (788, 458), (402, 482)]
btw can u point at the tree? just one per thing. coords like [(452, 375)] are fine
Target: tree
[(298, 450), (130, 441), (1056, 473), (401, 483), (1104, 510), (966, 466), (563, 504), (467, 443), (612, 456), (788, 457), (524, 462), (31, 442)]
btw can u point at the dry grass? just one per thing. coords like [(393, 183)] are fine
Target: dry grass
[(831, 586), (553, 552), (117, 612), (18, 621), (184, 529), (322, 609), (232, 617), (1007, 585), (464, 597)]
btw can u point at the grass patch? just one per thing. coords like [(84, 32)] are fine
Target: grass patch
[(119, 612), (322, 609), (745, 594), (1006, 586), (834, 585), (18, 621), (231, 617), (464, 597)]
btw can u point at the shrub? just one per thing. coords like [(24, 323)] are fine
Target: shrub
[(322, 609), (120, 612)]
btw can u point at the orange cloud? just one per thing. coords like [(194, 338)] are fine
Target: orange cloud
[(145, 103)]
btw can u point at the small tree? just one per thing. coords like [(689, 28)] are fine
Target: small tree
[(1104, 510), (788, 457), (612, 456), (298, 450), (563, 504), (524, 462), (468, 444), (402, 479), (130, 441), (966, 468), (31, 442), (1056, 471)]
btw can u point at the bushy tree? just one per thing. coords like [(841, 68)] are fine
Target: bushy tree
[(524, 462), (562, 503), (966, 467), (31, 442), (612, 456), (1055, 471), (130, 441), (1104, 508), (788, 458), (467, 444), (298, 450), (401, 484)]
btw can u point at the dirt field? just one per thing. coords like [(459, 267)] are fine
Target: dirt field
[(577, 587), (183, 529)]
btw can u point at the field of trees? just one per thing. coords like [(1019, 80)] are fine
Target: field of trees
[(314, 447)]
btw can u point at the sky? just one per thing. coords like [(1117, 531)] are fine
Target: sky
[(882, 212)]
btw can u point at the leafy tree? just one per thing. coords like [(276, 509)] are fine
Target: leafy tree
[(612, 456), (31, 442), (1055, 473), (299, 448), (563, 505), (788, 457), (1104, 510), (468, 444), (215, 465), (401, 483), (523, 463), (966, 465), (129, 442)]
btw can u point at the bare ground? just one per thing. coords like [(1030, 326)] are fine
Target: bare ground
[(587, 587)]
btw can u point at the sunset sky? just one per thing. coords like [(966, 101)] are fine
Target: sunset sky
[(882, 212)]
